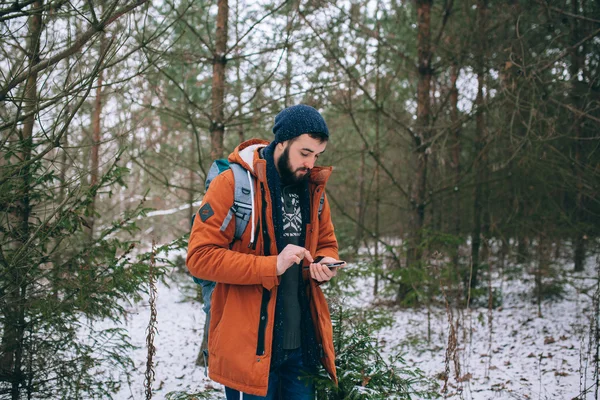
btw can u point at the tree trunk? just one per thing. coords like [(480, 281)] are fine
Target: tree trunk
[(541, 270), (65, 139), (360, 205), (378, 262), (479, 164), (422, 130), (238, 77), (575, 70), (63, 164), (288, 57), (477, 203), (288, 76), (522, 248), (217, 127), (455, 157), (192, 184), (486, 218), (96, 138), (11, 351), (433, 219)]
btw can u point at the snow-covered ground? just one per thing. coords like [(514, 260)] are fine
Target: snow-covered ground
[(180, 322), (523, 356)]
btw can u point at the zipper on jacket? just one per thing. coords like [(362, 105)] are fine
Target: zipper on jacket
[(265, 229), (266, 295), (262, 324)]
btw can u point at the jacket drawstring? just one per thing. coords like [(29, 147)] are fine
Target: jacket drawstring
[(252, 202)]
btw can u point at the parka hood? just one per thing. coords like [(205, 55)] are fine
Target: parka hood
[(246, 154)]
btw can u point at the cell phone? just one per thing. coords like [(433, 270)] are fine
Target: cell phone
[(332, 265), (336, 264)]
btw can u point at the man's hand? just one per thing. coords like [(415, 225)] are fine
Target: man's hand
[(291, 255), (320, 272)]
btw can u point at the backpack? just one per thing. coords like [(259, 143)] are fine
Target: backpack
[(241, 208)]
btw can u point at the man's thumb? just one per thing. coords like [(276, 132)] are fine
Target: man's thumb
[(308, 255)]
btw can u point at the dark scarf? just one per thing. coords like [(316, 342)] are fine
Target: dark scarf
[(310, 349)]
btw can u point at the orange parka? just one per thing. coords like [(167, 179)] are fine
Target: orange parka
[(242, 318)]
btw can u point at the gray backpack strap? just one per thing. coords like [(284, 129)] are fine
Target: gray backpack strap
[(227, 219), (321, 202), (242, 200)]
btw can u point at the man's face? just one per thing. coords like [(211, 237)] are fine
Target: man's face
[(298, 158)]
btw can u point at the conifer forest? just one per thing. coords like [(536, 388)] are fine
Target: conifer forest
[(465, 142)]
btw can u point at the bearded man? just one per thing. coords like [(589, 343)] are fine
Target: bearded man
[(270, 327)]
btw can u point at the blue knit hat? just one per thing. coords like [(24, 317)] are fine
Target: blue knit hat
[(297, 120)]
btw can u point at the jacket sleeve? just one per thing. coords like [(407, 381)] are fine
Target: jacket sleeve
[(209, 256), (327, 245)]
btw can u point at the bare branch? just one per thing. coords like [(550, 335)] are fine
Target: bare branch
[(362, 88), (357, 26), (447, 13), (192, 28), (375, 156), (388, 246), (575, 111), (568, 14), (55, 142), (254, 25), (568, 50), (79, 43)]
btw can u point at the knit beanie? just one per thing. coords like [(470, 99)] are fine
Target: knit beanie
[(298, 120)]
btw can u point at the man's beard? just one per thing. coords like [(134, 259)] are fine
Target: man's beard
[(289, 177)]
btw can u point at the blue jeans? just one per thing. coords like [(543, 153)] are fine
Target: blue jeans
[(288, 378)]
